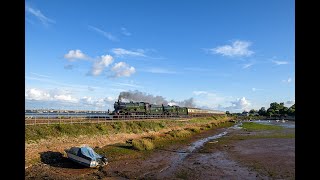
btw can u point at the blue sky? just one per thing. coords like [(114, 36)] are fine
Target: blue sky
[(226, 55)]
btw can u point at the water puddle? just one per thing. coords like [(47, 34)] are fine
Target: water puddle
[(182, 153), (198, 144)]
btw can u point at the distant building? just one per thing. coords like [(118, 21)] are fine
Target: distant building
[(245, 113)]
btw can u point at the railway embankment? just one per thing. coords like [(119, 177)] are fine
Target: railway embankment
[(57, 137)]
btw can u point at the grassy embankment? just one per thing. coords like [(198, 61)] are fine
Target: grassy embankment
[(171, 132), (38, 132)]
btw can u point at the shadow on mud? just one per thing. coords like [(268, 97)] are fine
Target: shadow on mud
[(56, 159), (123, 145)]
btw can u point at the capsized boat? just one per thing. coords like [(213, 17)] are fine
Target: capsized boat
[(86, 156)]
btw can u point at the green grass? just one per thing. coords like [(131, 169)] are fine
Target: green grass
[(180, 133), (207, 119), (252, 126), (118, 151), (37, 132), (194, 129), (142, 144)]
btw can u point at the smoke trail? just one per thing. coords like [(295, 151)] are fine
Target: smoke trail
[(185, 103), (138, 96)]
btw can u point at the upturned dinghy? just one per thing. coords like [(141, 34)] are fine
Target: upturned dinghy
[(86, 156)]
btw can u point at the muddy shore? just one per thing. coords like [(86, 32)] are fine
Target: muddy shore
[(236, 154)]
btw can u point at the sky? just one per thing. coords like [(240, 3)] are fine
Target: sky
[(225, 55)]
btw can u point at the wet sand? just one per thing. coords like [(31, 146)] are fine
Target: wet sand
[(224, 157)]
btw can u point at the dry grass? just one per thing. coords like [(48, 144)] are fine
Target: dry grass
[(57, 138), (142, 144)]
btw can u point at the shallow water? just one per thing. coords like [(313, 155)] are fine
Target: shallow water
[(183, 153), (199, 143), (285, 124)]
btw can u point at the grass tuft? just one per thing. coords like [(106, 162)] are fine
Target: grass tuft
[(142, 144)]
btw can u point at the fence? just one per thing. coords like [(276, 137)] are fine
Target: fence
[(97, 119)]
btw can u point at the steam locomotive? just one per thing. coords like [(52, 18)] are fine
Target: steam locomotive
[(144, 108)]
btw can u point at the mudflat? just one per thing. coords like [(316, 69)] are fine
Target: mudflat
[(238, 153)]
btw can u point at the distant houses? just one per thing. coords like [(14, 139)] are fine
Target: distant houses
[(244, 113)]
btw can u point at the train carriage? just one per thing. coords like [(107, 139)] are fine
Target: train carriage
[(155, 109), (144, 108)]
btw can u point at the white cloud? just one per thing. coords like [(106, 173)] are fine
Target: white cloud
[(239, 104), (45, 95), (280, 62), (125, 32), (209, 100), (99, 102), (75, 54), (104, 33), (37, 94), (86, 100), (247, 65), (196, 69), (52, 82), (238, 48), (123, 52), (289, 80), (197, 93), (122, 69), (127, 84), (40, 75), (68, 66), (89, 101), (63, 97), (256, 89), (109, 99), (58, 98), (103, 62), (290, 102), (90, 88), (160, 71), (37, 13)]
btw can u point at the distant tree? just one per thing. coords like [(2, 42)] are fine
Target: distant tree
[(252, 111), (270, 112), (291, 110), (277, 109), (284, 111), (262, 111), (227, 113), (274, 106)]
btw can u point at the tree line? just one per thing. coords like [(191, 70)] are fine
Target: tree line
[(275, 110)]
